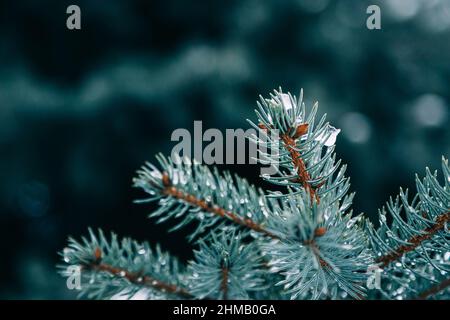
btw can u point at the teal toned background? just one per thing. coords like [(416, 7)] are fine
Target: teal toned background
[(80, 111)]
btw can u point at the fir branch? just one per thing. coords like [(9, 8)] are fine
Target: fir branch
[(139, 279), (192, 192), (289, 143), (225, 267), (122, 268), (302, 149), (434, 289), (415, 241), (190, 199), (303, 175), (316, 252), (319, 256), (304, 240)]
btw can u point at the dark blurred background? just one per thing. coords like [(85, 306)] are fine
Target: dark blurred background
[(80, 111)]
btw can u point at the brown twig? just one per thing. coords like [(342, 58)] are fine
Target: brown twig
[(290, 144), (224, 283), (435, 289), (415, 241), (312, 244), (136, 277), (194, 201)]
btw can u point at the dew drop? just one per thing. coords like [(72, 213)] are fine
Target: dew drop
[(67, 253), (447, 256), (156, 174), (328, 137), (350, 223)]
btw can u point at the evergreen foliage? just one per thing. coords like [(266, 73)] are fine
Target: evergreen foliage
[(300, 243)]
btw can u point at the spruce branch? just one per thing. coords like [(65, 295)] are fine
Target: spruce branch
[(211, 208), (445, 284), (123, 268), (225, 267), (193, 192), (139, 279), (304, 242), (319, 255), (289, 143), (414, 249), (415, 241), (321, 251), (302, 148)]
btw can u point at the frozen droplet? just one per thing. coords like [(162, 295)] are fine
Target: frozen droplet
[(350, 223), (141, 251), (447, 256), (187, 161), (328, 136), (286, 101), (254, 234), (175, 177), (156, 174), (67, 252), (283, 103), (122, 273)]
